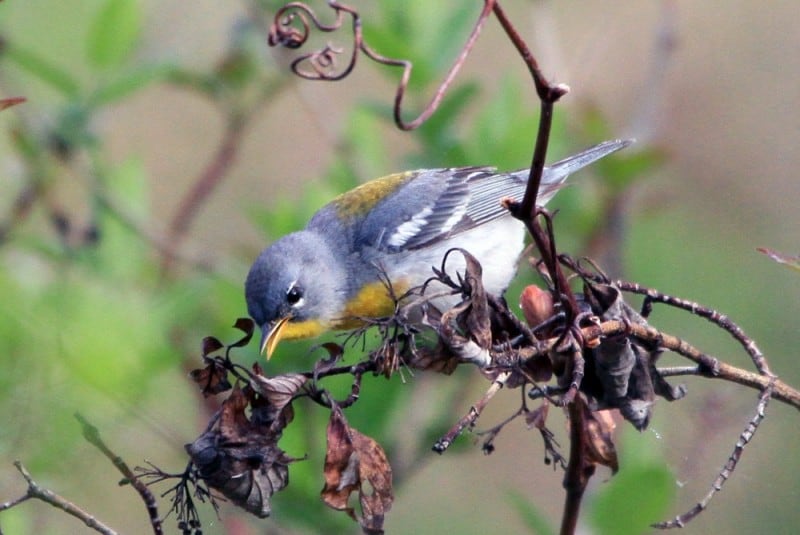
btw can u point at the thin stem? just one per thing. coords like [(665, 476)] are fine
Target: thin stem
[(48, 496)]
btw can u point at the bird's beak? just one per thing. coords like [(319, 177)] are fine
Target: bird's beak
[(271, 335)]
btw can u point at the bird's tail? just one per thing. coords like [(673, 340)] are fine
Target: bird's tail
[(554, 175)]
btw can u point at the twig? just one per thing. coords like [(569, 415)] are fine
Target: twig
[(48, 496), (155, 240), (713, 367), (491, 434), (92, 435), (711, 315), (747, 435), (205, 184), (549, 94), (469, 419), (322, 62), (709, 366)]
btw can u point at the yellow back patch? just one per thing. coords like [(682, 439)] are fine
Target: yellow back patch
[(372, 301), (362, 199)]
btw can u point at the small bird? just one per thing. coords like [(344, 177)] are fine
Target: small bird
[(333, 272)]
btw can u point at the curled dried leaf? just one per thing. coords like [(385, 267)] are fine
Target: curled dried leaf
[(624, 374), (240, 458), (210, 345), (279, 390), (247, 326), (212, 379), (466, 329), (475, 319), (356, 463), (599, 430)]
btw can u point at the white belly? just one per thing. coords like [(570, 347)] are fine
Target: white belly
[(497, 247)]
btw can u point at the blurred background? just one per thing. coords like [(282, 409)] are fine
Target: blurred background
[(162, 147)]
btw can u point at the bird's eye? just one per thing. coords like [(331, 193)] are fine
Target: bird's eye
[(294, 295)]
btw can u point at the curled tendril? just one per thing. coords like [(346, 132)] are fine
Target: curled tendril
[(283, 33), (291, 29)]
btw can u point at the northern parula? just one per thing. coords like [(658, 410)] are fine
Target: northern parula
[(329, 274)]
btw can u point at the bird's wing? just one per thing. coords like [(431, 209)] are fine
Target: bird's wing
[(415, 209), (438, 204)]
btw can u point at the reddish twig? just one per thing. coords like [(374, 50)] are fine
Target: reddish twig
[(202, 188), (323, 62), (6, 103)]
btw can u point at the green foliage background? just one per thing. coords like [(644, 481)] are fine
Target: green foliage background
[(127, 101)]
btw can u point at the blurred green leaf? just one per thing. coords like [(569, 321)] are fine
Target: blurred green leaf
[(128, 83), (505, 130), (43, 69), (533, 519), (621, 170), (364, 146), (114, 32), (121, 253), (110, 338), (446, 45), (639, 495), (16, 520), (441, 135)]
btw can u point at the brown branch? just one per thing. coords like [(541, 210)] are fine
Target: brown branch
[(578, 471), (709, 365), (549, 94), (202, 188), (721, 320), (724, 474), (468, 420), (48, 496), (92, 435), (323, 62), (6, 103)]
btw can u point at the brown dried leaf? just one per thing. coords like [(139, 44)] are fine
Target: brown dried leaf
[(476, 320), (210, 345), (212, 379), (356, 463), (437, 359), (599, 431), (240, 458), (624, 366), (247, 326), (539, 368), (538, 417), (278, 390)]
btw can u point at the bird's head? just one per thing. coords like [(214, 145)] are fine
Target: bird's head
[(294, 289)]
